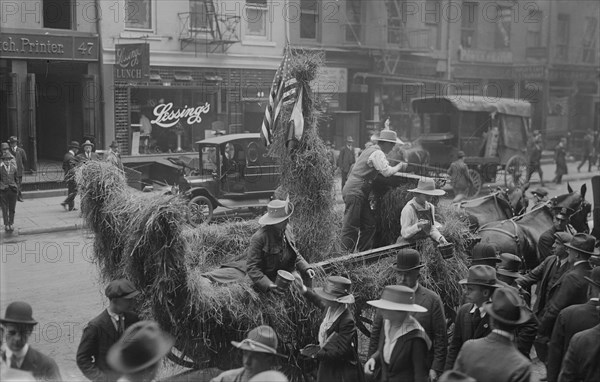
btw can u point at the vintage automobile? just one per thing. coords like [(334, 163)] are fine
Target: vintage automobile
[(234, 172)]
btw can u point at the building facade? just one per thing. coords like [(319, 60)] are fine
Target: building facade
[(49, 75)]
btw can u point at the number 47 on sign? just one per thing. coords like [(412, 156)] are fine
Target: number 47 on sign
[(86, 48)]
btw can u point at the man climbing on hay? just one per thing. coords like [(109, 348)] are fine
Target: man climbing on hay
[(272, 249), (359, 224), (417, 218)]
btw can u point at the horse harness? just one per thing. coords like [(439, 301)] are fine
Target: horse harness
[(513, 236)]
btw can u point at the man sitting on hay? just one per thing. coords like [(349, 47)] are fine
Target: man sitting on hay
[(272, 249), (417, 218)]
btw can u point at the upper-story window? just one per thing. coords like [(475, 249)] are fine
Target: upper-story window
[(200, 15), (468, 32), (395, 22), (562, 36), (309, 19), (256, 18), (503, 27), (432, 16), (590, 36), (534, 28), (58, 14), (354, 16), (138, 14)]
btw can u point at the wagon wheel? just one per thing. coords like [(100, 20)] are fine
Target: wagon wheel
[(477, 183), (200, 210), (515, 171)]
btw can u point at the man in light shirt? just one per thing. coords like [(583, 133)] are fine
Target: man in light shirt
[(418, 215), (358, 226)]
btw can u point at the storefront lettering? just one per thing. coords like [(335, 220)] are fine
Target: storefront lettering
[(166, 117), (28, 46), (127, 58), (129, 73)]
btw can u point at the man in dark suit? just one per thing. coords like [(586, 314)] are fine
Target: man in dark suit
[(408, 267), (87, 153), (495, 358), (572, 320), (546, 275), (346, 159), (105, 330), (70, 161), (472, 321), (572, 287), (21, 159), (18, 324), (581, 361)]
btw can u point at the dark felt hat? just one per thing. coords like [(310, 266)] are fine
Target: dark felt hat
[(74, 145), (13, 139), (583, 243), (261, 339), (509, 265), (563, 237), (507, 307), (484, 252), (483, 275), (121, 288), (18, 312), (407, 260)]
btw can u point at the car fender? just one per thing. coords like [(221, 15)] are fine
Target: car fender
[(201, 191)]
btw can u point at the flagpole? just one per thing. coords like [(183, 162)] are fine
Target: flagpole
[(286, 21)]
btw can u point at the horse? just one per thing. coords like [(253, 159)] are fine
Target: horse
[(579, 218), (519, 235), (500, 205)]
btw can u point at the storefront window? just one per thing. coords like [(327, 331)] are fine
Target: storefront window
[(173, 118), (138, 14)]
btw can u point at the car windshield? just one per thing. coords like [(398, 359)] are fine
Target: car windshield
[(208, 158)]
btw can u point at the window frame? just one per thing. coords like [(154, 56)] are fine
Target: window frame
[(588, 54), (534, 30), (472, 27), (254, 5), (562, 36), (316, 14), (359, 39), (192, 17), (152, 17)]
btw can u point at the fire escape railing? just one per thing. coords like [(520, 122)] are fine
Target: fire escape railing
[(216, 31)]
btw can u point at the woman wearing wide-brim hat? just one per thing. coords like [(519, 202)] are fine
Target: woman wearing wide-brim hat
[(272, 248), (417, 219), (337, 350), (402, 351)]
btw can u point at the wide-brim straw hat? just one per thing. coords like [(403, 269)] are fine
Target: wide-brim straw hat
[(349, 139), (583, 243), (277, 211), (387, 136), (427, 186), (143, 344), (507, 307), (482, 275), (398, 298), (20, 313), (87, 143), (337, 289), (261, 339)]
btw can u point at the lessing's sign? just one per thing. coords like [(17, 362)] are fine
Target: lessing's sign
[(132, 62), (167, 117), (48, 47)]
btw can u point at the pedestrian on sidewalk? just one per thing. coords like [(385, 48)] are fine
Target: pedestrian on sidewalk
[(8, 191), (113, 156), (460, 178), (588, 151), (560, 158), (87, 154), (346, 159), (535, 157), (70, 161), (21, 160)]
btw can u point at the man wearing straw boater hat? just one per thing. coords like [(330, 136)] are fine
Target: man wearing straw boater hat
[(472, 321), (18, 324), (402, 350), (259, 355), (137, 355), (408, 269), (417, 220), (70, 161), (572, 320), (105, 330), (560, 223), (346, 159), (272, 248), (572, 287), (87, 154), (495, 358), (358, 226)]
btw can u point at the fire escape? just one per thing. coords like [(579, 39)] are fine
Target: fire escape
[(204, 27), (399, 40)]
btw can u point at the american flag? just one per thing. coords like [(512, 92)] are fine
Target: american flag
[(283, 92)]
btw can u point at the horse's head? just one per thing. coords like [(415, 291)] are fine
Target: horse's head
[(516, 198), (575, 201)]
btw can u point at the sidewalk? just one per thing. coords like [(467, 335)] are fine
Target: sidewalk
[(45, 215)]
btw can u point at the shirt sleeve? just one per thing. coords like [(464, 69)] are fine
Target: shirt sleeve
[(408, 222), (381, 164)]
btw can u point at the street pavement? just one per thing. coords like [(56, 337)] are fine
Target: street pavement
[(44, 215)]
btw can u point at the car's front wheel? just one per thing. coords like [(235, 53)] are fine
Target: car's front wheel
[(200, 211)]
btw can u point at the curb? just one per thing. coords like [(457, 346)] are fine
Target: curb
[(41, 230)]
